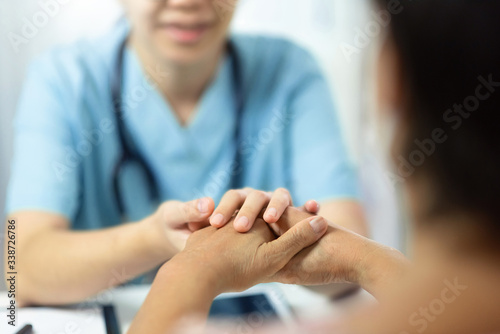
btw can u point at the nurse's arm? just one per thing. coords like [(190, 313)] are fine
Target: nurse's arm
[(58, 266), (346, 213)]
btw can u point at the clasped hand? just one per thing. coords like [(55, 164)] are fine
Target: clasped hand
[(270, 245), (174, 221), (234, 261)]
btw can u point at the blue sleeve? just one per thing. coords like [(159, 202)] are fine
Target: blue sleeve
[(44, 176), (320, 165)]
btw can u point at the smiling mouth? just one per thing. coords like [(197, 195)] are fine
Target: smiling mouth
[(185, 34)]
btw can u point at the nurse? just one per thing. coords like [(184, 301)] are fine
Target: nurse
[(125, 143)]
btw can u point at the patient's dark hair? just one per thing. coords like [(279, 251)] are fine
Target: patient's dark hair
[(445, 46)]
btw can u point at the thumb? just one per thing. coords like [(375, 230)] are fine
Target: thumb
[(184, 212), (300, 236)]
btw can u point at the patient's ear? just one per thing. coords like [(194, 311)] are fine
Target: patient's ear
[(392, 95), (390, 83)]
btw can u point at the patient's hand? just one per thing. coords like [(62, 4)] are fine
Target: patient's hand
[(234, 261), (341, 256), (216, 261), (333, 259)]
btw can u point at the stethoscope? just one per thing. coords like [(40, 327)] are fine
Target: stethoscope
[(131, 155)]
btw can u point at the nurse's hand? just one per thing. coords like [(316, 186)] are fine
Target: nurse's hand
[(250, 203), (174, 221)]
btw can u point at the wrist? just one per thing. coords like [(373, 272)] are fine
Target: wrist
[(380, 267), (155, 239), (179, 291), (192, 275)]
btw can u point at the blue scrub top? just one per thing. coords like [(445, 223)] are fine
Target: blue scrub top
[(66, 141)]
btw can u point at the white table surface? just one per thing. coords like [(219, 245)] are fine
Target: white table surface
[(305, 303)]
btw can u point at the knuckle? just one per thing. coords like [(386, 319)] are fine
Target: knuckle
[(298, 237), (232, 196), (167, 208), (187, 210), (282, 196), (295, 239), (291, 277), (241, 195), (163, 208), (271, 258), (298, 241), (233, 193), (283, 191), (280, 201), (170, 205), (260, 195)]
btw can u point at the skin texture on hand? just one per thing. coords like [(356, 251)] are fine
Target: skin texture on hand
[(340, 256), (331, 260), (223, 260), (216, 261), (289, 218), (243, 260)]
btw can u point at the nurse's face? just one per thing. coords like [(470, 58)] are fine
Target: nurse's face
[(180, 31)]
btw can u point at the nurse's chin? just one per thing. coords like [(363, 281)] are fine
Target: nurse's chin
[(185, 55)]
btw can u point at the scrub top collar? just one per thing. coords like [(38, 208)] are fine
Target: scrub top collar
[(151, 121)]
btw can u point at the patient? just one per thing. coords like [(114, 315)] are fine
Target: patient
[(439, 81)]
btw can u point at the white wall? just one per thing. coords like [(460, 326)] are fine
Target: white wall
[(320, 25)]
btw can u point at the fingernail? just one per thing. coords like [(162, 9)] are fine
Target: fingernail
[(217, 220), (318, 225), (203, 205), (271, 213), (242, 222)]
